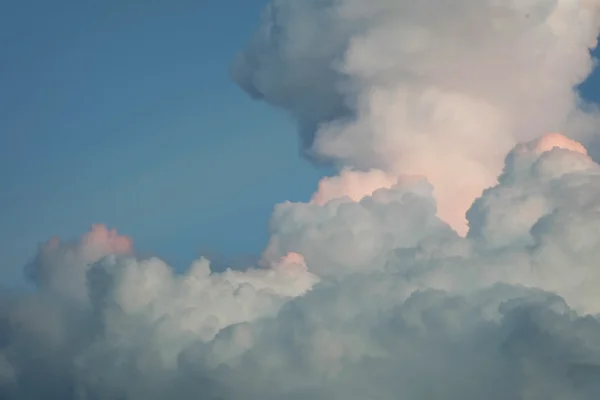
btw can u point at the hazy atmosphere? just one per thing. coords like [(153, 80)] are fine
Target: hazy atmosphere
[(300, 199)]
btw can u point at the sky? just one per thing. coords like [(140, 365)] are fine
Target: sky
[(125, 114), (451, 254)]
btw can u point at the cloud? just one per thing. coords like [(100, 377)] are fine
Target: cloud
[(421, 88), (375, 289), (371, 299), (348, 236), (61, 267), (129, 319)]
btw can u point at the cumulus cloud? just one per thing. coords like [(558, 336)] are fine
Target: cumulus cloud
[(425, 88), (376, 298), (101, 313), (61, 267), (371, 290)]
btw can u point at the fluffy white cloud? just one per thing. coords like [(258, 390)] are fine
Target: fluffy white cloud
[(425, 88), (101, 313), (344, 236), (396, 303)]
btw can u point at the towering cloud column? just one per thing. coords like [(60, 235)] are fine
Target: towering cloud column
[(427, 88)]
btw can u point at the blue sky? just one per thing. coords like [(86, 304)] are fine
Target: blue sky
[(123, 113)]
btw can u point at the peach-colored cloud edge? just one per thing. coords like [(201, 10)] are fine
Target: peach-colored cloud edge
[(108, 241), (352, 185), (356, 185)]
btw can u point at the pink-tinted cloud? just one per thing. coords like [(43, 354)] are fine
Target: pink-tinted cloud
[(549, 142), (61, 267), (109, 241)]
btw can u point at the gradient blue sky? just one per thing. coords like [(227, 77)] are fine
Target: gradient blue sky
[(123, 113)]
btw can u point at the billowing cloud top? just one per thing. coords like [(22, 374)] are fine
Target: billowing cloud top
[(424, 87), (454, 256)]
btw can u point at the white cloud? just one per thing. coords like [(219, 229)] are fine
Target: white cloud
[(396, 303), (365, 292), (425, 88)]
